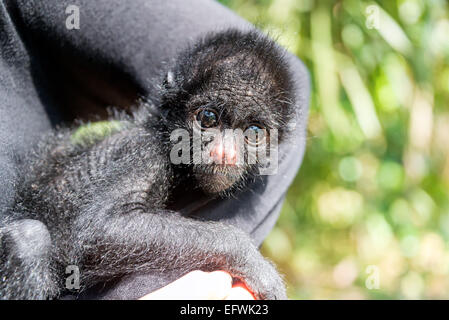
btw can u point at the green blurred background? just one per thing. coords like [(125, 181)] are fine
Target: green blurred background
[(368, 214)]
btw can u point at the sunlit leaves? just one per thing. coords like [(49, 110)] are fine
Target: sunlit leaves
[(373, 188)]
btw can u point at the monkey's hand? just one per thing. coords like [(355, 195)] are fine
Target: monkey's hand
[(246, 264)]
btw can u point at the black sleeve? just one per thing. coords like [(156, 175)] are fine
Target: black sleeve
[(49, 73)]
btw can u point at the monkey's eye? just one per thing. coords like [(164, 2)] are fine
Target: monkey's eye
[(207, 118), (254, 134)]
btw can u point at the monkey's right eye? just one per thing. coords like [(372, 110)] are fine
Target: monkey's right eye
[(207, 118)]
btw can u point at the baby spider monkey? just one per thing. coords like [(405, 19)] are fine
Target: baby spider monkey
[(101, 202)]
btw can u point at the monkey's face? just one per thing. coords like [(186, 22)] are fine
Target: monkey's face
[(231, 130), (224, 145), (232, 93)]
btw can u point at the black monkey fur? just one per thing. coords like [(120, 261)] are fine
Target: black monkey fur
[(103, 204)]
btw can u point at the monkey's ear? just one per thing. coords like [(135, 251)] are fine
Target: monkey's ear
[(169, 81)]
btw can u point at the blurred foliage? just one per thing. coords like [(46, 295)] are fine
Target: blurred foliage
[(371, 199)]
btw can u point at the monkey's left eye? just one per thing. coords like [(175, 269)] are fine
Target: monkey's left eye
[(207, 118), (254, 134)]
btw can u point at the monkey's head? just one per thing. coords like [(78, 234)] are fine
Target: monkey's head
[(232, 92)]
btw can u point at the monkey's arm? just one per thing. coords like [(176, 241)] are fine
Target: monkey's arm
[(164, 242)]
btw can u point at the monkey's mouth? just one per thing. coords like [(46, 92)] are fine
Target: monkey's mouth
[(217, 178)]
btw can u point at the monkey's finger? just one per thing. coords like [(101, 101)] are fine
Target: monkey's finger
[(196, 285)]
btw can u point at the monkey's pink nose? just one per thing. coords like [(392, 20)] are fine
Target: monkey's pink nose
[(224, 153)]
